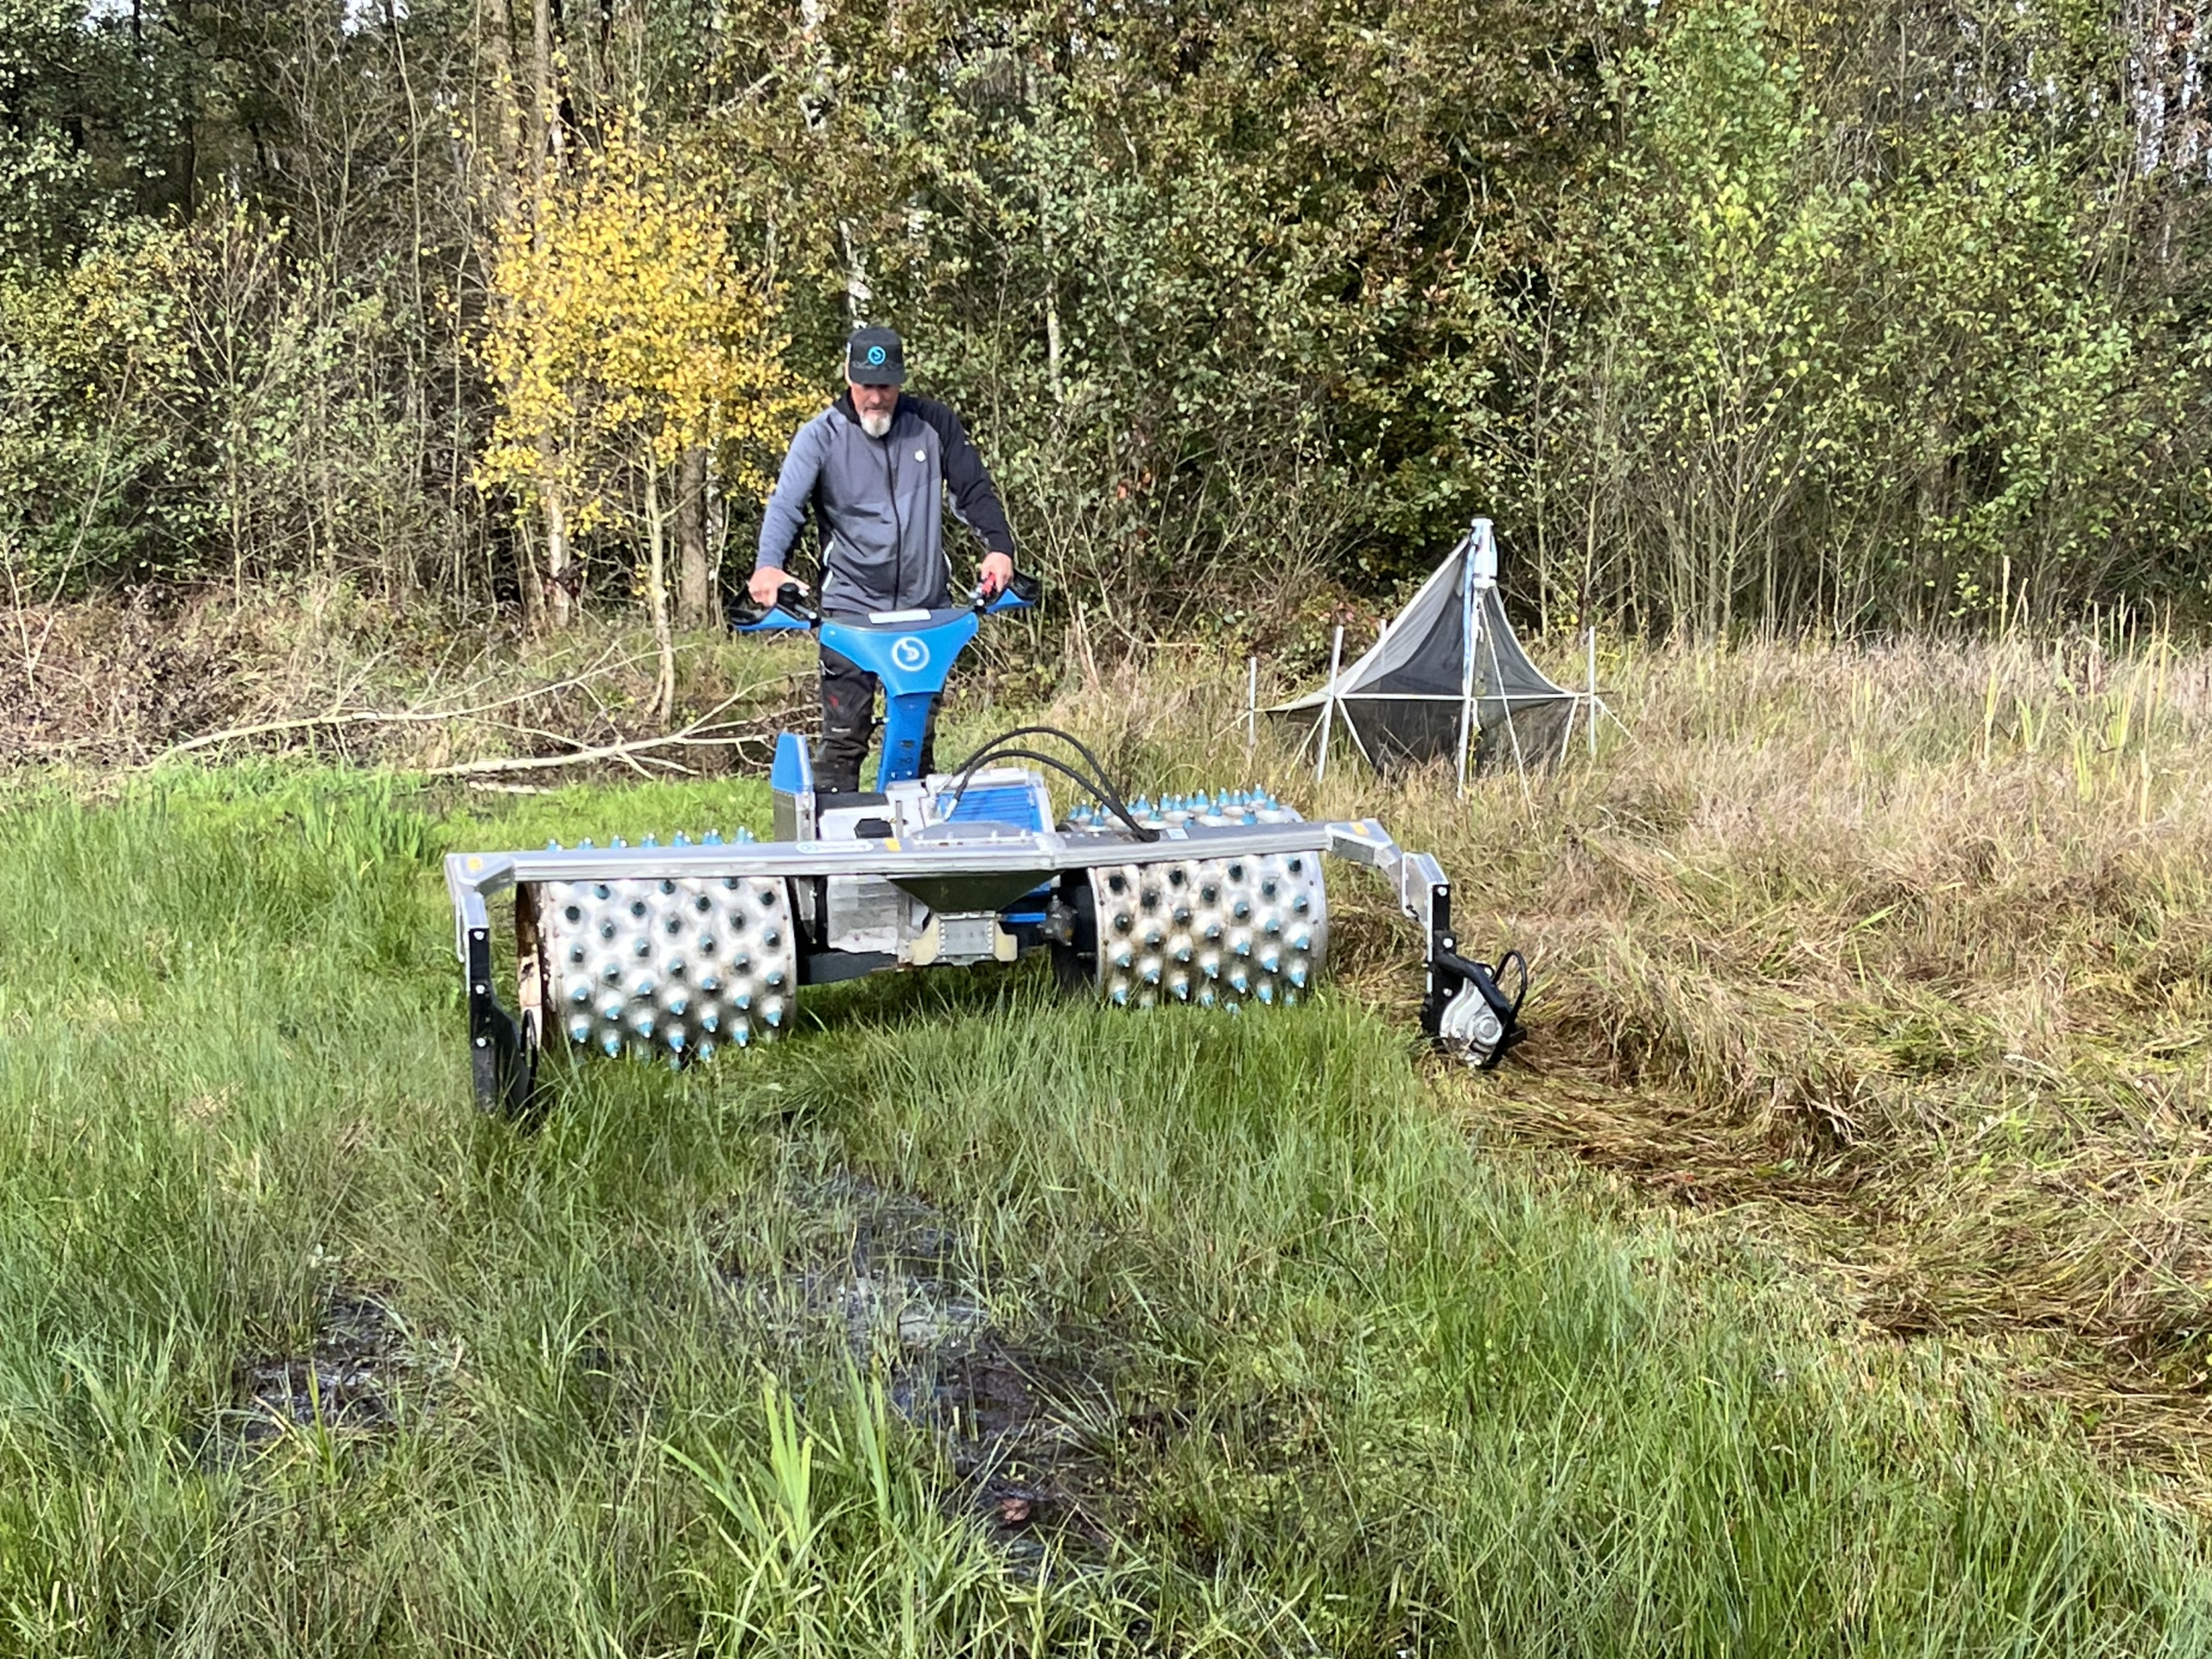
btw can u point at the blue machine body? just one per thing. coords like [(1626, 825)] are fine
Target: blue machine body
[(910, 652)]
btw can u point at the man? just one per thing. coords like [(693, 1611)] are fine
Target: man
[(872, 464)]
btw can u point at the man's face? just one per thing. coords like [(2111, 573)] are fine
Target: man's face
[(873, 404)]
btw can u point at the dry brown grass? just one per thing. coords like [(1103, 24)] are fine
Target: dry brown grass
[(1896, 960)]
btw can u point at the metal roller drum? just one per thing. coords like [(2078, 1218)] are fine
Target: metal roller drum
[(1217, 932), (676, 967)]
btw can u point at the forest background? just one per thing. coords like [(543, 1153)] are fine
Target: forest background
[(1733, 313)]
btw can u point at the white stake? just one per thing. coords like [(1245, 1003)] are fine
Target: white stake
[(1593, 691), (1251, 705), (1329, 704)]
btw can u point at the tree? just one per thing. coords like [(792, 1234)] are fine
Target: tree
[(625, 331)]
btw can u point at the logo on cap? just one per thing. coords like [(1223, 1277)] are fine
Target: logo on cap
[(875, 357)]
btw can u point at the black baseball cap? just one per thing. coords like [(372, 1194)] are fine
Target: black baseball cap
[(874, 358)]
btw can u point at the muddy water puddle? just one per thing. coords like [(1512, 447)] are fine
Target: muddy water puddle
[(350, 1379), (1022, 1429)]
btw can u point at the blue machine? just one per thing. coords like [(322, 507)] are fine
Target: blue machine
[(1213, 898)]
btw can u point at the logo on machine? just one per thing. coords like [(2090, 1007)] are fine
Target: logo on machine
[(908, 653)]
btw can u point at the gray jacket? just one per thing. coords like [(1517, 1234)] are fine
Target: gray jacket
[(876, 505)]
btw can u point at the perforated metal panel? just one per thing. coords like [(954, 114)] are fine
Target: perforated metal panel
[(676, 967), (1215, 930)]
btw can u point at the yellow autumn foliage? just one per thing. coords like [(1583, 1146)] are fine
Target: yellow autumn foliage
[(625, 328)]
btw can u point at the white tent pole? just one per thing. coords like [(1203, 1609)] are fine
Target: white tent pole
[(1593, 733), (1329, 703), (1476, 537)]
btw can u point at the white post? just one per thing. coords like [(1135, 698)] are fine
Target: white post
[(1472, 574), (1593, 733), (1251, 705), (1329, 703)]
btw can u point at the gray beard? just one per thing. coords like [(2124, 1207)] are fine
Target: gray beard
[(875, 425)]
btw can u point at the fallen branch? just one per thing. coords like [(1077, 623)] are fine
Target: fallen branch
[(699, 733), (374, 716), (337, 718)]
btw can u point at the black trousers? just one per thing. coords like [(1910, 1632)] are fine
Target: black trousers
[(849, 725)]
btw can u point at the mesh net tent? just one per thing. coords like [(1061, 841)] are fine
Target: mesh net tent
[(1447, 681)]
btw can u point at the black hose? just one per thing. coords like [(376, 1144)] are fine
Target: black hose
[(1141, 831), (1002, 747), (1097, 782), (1068, 738)]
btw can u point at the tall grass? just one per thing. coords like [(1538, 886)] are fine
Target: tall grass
[(1353, 1387), (1895, 956)]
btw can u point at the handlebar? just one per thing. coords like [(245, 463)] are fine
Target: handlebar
[(790, 612)]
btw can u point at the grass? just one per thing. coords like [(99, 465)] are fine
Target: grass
[(1893, 962), (1323, 1376)]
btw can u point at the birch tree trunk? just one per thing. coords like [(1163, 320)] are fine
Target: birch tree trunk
[(657, 582), (693, 585), (544, 136)]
